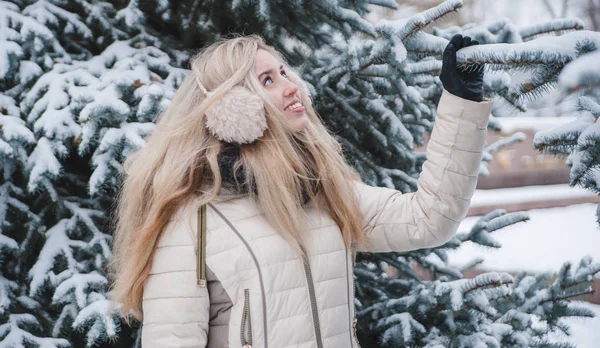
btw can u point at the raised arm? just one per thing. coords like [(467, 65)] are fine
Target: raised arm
[(430, 216)]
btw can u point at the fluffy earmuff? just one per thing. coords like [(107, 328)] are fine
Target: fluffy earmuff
[(238, 117)]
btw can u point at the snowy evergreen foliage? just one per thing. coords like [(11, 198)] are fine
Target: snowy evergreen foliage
[(379, 94), (558, 54), (489, 310), (81, 83), (75, 101), (506, 48), (580, 139)]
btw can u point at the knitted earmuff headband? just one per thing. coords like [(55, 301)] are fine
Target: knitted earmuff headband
[(239, 116)]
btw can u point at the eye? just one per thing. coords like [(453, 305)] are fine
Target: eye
[(267, 79)]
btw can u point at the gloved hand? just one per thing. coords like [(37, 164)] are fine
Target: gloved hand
[(465, 84)]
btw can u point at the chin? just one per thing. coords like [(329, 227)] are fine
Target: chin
[(301, 124)]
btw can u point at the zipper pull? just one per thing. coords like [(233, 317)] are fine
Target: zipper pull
[(201, 248)]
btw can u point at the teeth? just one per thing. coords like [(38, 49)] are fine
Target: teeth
[(293, 106)]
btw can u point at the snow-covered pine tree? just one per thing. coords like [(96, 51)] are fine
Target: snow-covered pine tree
[(580, 139), (558, 54), (365, 85), (74, 101), (81, 87)]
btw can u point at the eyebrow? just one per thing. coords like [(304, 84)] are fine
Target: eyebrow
[(269, 71)]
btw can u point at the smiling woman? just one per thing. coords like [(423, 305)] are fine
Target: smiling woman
[(239, 220), (282, 91)]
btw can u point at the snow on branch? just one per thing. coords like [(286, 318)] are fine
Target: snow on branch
[(100, 326), (561, 140), (15, 333), (405, 29), (557, 50), (558, 26), (568, 61), (583, 73), (343, 15)]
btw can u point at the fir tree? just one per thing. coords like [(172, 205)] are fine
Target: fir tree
[(82, 85), (558, 54), (75, 100)]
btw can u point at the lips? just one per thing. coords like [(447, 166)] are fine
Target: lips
[(292, 103)]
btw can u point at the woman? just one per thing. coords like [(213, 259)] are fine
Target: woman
[(268, 261)]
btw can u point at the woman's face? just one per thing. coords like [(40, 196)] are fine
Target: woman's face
[(282, 92)]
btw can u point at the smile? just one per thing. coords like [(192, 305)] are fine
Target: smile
[(297, 107)]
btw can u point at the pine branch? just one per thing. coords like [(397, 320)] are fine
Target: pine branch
[(588, 104), (556, 26), (506, 58), (556, 144), (384, 3), (418, 22), (402, 267), (383, 173), (542, 81), (505, 142), (344, 15)]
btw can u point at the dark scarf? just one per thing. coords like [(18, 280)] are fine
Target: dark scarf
[(227, 158)]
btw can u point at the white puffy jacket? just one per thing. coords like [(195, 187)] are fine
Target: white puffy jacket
[(259, 293)]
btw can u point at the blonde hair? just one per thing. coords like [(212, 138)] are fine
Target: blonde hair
[(181, 154)]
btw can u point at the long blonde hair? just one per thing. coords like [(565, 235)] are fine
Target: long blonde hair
[(181, 154)]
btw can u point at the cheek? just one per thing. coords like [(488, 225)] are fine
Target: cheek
[(276, 99)]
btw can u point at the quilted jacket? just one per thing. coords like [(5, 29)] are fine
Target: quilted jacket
[(259, 293)]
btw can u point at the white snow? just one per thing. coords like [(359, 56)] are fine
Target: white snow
[(574, 126), (527, 194), (13, 128), (551, 237), (42, 161), (585, 332), (584, 71), (535, 123), (549, 48)]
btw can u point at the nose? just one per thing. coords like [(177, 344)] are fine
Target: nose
[(290, 89)]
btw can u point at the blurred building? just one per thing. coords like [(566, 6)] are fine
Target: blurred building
[(520, 177)]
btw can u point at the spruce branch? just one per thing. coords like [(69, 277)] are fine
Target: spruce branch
[(418, 22), (402, 267), (339, 14), (588, 104), (391, 4), (542, 81), (384, 174), (505, 142), (556, 144), (556, 26)]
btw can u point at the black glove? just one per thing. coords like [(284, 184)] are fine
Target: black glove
[(466, 84)]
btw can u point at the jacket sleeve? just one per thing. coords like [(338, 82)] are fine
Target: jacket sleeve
[(430, 216), (175, 309)]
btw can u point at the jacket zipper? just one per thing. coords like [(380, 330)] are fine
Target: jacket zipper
[(260, 277), (246, 327), (354, 320), (313, 299), (201, 248)]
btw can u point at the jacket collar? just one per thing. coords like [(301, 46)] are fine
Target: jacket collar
[(229, 187)]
